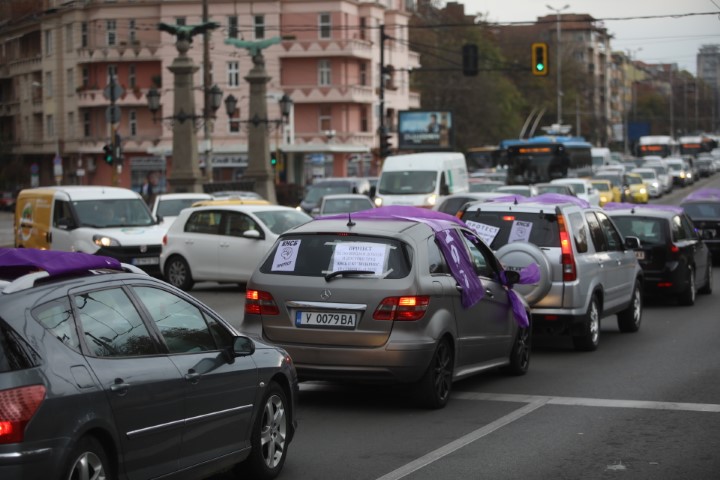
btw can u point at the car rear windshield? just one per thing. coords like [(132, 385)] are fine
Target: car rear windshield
[(506, 227), (649, 230), (702, 210), (15, 353), (324, 254)]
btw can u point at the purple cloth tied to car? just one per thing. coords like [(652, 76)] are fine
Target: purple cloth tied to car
[(457, 258), (640, 208), (709, 194), (543, 198), (15, 262)]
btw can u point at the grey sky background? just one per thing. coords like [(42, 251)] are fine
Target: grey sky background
[(658, 40)]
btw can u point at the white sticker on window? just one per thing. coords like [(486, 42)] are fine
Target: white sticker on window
[(360, 256), (487, 233), (285, 256), (520, 231)]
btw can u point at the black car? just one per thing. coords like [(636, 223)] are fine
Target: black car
[(674, 258), (106, 372), (703, 207)]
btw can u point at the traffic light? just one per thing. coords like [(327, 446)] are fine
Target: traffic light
[(108, 154), (273, 159), (539, 59), (385, 143), (470, 60)]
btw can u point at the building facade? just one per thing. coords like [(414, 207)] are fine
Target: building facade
[(58, 60)]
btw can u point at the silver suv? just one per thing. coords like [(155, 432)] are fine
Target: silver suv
[(587, 270)]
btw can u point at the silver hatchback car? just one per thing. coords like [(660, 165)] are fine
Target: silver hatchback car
[(393, 294)]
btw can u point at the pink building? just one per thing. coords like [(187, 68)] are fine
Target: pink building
[(55, 68)]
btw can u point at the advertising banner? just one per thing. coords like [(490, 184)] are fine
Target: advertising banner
[(425, 130)]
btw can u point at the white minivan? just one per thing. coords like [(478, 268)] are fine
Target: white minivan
[(421, 179)]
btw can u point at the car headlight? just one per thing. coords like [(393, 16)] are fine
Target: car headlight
[(655, 184), (682, 174), (378, 201), (643, 191), (431, 200), (105, 241)]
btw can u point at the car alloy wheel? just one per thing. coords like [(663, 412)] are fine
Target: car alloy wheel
[(629, 319), (89, 462), (688, 296), (435, 386), (178, 273), (589, 340), (273, 431)]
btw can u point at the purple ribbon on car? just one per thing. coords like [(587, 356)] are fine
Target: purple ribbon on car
[(543, 198), (15, 262), (640, 208), (456, 256), (710, 194)]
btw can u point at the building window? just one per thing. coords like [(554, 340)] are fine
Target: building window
[(363, 28), (132, 80), (324, 72), (325, 25), (112, 72), (85, 77), (83, 35), (233, 74), (181, 21), (48, 42), (364, 126), (71, 124), (363, 74), (111, 30), (132, 123), (259, 22), (233, 27), (86, 124), (234, 121), (49, 126), (68, 37), (70, 81), (132, 31), (325, 118), (48, 84)]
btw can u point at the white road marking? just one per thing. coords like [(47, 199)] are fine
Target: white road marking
[(533, 403)]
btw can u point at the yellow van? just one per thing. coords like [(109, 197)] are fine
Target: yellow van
[(109, 221)]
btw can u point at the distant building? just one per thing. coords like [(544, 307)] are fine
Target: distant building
[(708, 70)]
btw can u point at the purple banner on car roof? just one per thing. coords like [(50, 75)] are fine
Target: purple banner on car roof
[(640, 208), (544, 198), (15, 262), (710, 194)]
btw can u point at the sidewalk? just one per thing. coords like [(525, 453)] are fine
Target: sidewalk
[(6, 229)]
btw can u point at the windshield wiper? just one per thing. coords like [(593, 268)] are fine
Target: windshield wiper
[(338, 273)]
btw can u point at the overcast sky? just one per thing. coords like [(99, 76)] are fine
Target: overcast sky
[(661, 40)]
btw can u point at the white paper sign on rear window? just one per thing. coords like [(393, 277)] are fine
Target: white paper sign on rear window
[(520, 231), (363, 256), (285, 256), (486, 232)]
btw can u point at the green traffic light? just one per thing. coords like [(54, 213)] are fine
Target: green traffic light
[(540, 67)]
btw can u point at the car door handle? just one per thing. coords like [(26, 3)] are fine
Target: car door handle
[(119, 387), (192, 376)]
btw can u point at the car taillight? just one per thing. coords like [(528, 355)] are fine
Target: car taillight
[(17, 407), (674, 249), (567, 260), (402, 308), (260, 303), (164, 240)]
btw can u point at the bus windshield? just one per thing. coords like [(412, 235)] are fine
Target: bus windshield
[(542, 160)]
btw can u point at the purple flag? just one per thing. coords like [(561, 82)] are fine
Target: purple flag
[(15, 262)]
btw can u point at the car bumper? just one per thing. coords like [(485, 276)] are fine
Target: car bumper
[(553, 324), (670, 280), (34, 460)]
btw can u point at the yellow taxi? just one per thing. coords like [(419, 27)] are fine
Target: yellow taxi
[(606, 191), (638, 189)]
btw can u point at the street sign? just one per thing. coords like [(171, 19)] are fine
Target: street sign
[(112, 114), (113, 91)]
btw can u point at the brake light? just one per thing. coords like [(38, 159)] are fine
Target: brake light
[(17, 407), (508, 218), (402, 308), (674, 249), (568, 259), (260, 303), (164, 240)]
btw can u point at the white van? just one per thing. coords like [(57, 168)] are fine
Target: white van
[(109, 221), (600, 157), (421, 179)]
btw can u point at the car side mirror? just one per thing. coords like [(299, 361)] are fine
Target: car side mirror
[(632, 243), (444, 190), (159, 219), (251, 234), (243, 346), (512, 277), (65, 224)]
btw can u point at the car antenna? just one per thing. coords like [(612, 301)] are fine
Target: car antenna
[(350, 221)]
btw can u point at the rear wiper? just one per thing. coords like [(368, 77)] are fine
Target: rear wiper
[(338, 273)]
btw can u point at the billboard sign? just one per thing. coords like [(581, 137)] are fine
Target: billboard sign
[(425, 130)]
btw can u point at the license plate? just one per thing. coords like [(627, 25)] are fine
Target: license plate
[(146, 261), (640, 255), (325, 319)]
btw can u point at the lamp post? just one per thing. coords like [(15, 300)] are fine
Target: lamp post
[(559, 62)]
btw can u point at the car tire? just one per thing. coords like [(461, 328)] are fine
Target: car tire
[(518, 255), (708, 287), (687, 297), (520, 354), (88, 460), (589, 339), (178, 274), (629, 319), (269, 438), (433, 389)]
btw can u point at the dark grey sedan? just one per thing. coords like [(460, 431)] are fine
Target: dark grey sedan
[(110, 374)]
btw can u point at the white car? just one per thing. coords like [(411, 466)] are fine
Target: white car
[(651, 179), (583, 189), (222, 243), (524, 190), (663, 173), (342, 203), (167, 206)]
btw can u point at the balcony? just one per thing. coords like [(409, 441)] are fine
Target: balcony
[(330, 94), (328, 48), (123, 51), (90, 97)]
